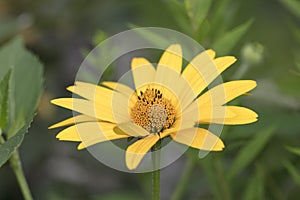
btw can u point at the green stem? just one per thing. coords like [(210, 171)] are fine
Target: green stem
[(184, 179), (156, 172), (16, 165)]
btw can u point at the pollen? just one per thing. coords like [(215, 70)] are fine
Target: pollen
[(152, 111)]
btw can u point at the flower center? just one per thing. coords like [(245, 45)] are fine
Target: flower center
[(152, 111)]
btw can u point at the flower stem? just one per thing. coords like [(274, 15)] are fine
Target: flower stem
[(156, 172), (184, 180), (16, 165)]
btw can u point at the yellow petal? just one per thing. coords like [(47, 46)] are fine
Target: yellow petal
[(198, 138), (93, 92), (202, 70), (205, 115), (110, 105), (228, 115), (242, 116), (124, 89), (88, 90), (119, 87), (73, 120), (90, 132), (132, 129), (168, 71), (224, 93), (211, 53), (143, 72), (136, 151), (172, 58), (101, 109)]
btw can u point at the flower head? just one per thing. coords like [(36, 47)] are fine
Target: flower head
[(167, 102)]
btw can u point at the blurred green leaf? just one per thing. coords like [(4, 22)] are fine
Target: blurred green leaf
[(293, 6), (209, 171), (25, 89), (219, 17), (4, 93), (197, 11), (250, 151), (224, 44), (255, 186), (293, 172), (26, 79), (295, 150), (12, 144), (180, 14)]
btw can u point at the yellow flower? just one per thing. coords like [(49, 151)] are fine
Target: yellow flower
[(166, 102)]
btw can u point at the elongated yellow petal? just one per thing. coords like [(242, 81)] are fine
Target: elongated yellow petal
[(208, 114), (242, 116), (119, 87), (111, 102), (172, 58), (143, 72), (73, 120), (132, 129), (228, 115), (168, 72), (225, 92), (90, 131), (102, 110), (202, 70), (88, 90), (124, 89), (136, 151), (198, 138)]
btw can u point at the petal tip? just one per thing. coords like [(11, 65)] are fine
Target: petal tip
[(81, 146)]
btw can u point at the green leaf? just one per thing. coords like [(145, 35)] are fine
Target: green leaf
[(16, 125), (293, 6), (180, 14), (12, 144), (26, 79), (293, 172), (255, 186), (295, 150), (225, 44), (25, 87), (250, 151), (197, 11), (4, 93)]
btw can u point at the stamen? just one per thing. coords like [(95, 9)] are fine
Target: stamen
[(152, 111)]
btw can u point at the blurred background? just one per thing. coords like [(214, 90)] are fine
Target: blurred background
[(260, 161)]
